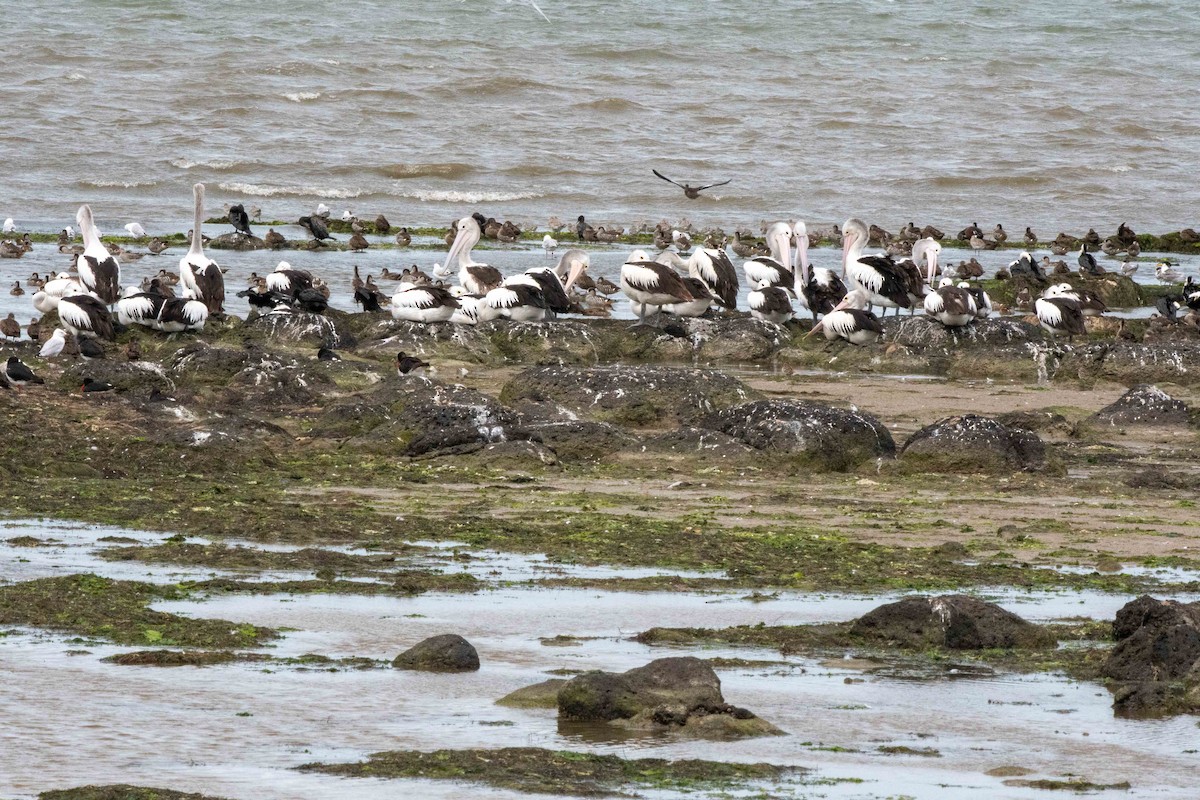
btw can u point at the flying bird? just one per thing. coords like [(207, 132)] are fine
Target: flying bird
[(690, 192)]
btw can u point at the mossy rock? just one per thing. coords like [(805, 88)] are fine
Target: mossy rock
[(973, 443), (816, 433), (633, 396), (539, 695)]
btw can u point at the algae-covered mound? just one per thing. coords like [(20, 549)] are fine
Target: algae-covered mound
[(121, 791), (955, 621), (638, 396), (1144, 405), (415, 416), (534, 769), (678, 694), (1156, 662), (117, 610), (973, 443), (827, 436)]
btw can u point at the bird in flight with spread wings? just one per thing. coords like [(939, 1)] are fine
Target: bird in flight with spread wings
[(690, 192)]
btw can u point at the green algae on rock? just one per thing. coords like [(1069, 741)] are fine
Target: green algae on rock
[(534, 769), (89, 605), (122, 791)]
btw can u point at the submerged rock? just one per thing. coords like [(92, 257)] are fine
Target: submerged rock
[(971, 443), (955, 621), (1144, 405), (446, 653), (639, 396), (1157, 658), (539, 695), (829, 436), (682, 694)]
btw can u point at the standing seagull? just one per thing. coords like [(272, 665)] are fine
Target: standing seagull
[(136, 230), (198, 272), (690, 192), (99, 271)]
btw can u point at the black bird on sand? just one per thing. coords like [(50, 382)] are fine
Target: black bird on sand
[(690, 192), (18, 373), (409, 365), (93, 385), (240, 219), (90, 349)]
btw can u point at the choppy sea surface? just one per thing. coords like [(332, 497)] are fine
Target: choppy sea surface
[(1060, 115)]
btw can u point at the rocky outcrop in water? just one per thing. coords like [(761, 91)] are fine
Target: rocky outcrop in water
[(1156, 662), (831, 437), (446, 653), (1144, 405), (958, 622), (971, 443), (678, 694), (638, 396)]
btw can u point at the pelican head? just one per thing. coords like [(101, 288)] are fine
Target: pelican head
[(466, 236), (571, 265), (637, 255)]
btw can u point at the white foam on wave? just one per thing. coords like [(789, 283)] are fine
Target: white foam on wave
[(74, 77), (104, 184), (257, 190), (185, 163), (300, 97), (469, 197)]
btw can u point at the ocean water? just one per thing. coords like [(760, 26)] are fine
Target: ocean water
[(1063, 115)]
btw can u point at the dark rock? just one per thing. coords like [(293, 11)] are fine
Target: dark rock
[(580, 439), (682, 694), (1156, 662), (1158, 640), (1040, 420), (696, 441), (639, 396), (924, 333), (832, 437), (419, 416), (1157, 477), (600, 697), (446, 653), (314, 330), (201, 363), (1144, 405), (236, 241), (736, 341), (955, 621), (973, 443), (139, 377)]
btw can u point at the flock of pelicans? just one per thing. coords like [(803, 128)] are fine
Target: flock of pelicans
[(92, 304)]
